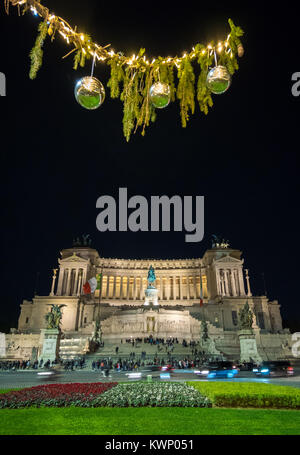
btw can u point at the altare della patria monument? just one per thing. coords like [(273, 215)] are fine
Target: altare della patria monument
[(96, 304)]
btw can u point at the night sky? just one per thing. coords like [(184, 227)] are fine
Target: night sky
[(58, 158)]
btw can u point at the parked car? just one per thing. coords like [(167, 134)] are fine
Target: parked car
[(274, 368), (222, 369)]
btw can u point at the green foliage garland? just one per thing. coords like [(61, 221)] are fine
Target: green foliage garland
[(131, 77), (36, 53), (186, 90)]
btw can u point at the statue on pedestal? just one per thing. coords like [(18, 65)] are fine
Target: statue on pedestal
[(248, 346), (151, 292), (53, 318), (204, 331), (151, 276), (245, 318)]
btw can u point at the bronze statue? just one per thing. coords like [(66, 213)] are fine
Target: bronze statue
[(204, 330), (151, 276), (53, 318), (245, 317), (85, 240), (218, 242)]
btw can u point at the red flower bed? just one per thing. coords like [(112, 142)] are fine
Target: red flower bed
[(58, 395)]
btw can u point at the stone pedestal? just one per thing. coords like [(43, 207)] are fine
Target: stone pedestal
[(209, 347), (50, 347), (248, 347), (151, 296)]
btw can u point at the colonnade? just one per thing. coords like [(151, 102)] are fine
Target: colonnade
[(174, 287), (71, 280), (230, 282)]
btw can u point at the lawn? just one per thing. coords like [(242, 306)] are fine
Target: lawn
[(226, 418), (248, 395), (149, 421)]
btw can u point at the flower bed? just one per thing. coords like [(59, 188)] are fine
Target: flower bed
[(249, 395), (154, 394), (56, 395)]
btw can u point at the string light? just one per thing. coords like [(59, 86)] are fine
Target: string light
[(33, 9), (70, 35)]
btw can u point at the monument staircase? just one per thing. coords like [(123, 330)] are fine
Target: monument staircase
[(160, 351)]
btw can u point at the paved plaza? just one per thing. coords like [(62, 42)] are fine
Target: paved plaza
[(30, 378)]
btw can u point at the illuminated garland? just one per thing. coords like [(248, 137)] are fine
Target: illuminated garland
[(132, 77)]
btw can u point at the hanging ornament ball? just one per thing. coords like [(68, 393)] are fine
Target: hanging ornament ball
[(218, 80), (240, 50), (89, 92), (160, 95)]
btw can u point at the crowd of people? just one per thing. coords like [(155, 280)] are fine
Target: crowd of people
[(71, 364), (17, 365)]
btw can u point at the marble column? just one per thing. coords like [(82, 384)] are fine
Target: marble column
[(226, 283), (107, 287), (84, 275), (249, 294), (75, 284), (53, 282), (180, 288), (68, 282), (241, 281), (218, 279), (128, 287), (141, 288), (236, 282), (78, 290), (121, 287), (134, 288), (60, 281), (174, 287), (195, 287), (233, 282), (168, 288), (223, 289), (114, 287), (161, 291)]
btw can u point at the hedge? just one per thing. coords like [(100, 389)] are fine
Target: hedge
[(249, 395)]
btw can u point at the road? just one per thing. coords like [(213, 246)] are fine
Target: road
[(30, 378)]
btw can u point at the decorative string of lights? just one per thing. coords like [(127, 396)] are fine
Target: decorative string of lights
[(142, 84)]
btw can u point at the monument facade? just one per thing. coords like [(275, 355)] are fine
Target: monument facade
[(130, 303)]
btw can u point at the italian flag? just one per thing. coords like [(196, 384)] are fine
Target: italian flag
[(90, 286)]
